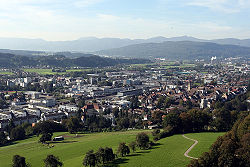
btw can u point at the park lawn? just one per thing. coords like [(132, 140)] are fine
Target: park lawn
[(6, 73), (205, 140), (167, 152)]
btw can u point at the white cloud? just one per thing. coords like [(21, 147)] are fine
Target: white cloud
[(244, 3), (36, 19), (85, 3), (226, 6), (107, 17), (213, 27)]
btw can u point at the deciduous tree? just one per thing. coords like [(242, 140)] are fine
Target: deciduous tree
[(123, 149), (19, 161), (52, 161), (142, 140), (90, 159), (132, 146)]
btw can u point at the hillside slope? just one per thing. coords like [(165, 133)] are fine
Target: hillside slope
[(178, 50)]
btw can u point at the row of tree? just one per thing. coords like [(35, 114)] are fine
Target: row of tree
[(105, 155), (49, 161), (221, 118), (101, 157)]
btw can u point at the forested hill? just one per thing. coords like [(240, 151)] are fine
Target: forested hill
[(183, 50), (14, 61)]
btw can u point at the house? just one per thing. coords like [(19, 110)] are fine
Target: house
[(52, 116), (59, 138), (153, 126), (3, 123), (68, 107), (89, 109), (130, 92), (203, 103)]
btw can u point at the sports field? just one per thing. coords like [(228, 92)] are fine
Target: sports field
[(167, 152)]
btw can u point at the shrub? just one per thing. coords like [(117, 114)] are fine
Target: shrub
[(142, 140)]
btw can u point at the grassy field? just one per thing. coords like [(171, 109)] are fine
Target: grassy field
[(205, 141), (40, 71), (167, 152), (5, 73), (49, 71), (173, 66)]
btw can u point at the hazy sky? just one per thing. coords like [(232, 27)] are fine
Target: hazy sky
[(72, 19)]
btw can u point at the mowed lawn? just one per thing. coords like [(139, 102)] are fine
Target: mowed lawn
[(205, 141), (167, 152)]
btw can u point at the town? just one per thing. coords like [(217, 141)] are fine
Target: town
[(147, 92), (108, 83)]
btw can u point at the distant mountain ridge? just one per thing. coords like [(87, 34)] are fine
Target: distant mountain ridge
[(92, 44), (178, 50)]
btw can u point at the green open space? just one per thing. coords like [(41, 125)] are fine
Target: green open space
[(167, 152), (43, 71), (6, 73), (142, 65), (205, 141)]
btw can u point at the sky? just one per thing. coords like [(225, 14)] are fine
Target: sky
[(57, 20)]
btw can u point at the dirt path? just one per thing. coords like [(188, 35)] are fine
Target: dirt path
[(190, 148)]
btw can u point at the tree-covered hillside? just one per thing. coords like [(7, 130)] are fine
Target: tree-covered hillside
[(182, 50), (14, 61)]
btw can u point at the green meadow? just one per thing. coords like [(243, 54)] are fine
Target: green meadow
[(6, 73), (49, 71), (205, 141), (167, 152)]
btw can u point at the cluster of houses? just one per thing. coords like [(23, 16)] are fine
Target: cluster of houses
[(199, 88), (35, 107)]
